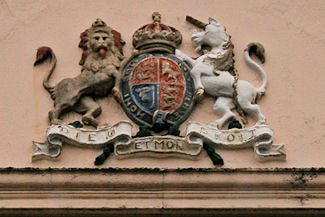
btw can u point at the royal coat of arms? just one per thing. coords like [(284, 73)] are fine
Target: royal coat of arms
[(157, 86)]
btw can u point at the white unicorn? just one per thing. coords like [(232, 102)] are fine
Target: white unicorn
[(214, 73)]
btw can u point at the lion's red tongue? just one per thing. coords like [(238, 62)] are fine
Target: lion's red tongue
[(102, 53)]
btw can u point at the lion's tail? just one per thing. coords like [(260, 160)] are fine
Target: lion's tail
[(44, 53), (258, 50)]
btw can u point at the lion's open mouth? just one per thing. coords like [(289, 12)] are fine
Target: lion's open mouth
[(102, 52)]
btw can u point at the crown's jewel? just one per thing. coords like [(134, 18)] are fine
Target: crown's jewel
[(99, 26), (98, 22), (157, 36)]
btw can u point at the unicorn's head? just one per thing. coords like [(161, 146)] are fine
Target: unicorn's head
[(214, 36)]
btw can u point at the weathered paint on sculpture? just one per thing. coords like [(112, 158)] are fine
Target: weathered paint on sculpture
[(214, 73), (99, 75), (157, 87)]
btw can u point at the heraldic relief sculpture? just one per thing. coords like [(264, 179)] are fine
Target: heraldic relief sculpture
[(157, 86)]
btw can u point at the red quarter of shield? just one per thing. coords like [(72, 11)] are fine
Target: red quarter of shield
[(145, 72), (171, 88), (170, 97)]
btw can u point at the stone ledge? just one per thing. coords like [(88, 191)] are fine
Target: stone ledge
[(161, 189), (161, 212), (158, 170)]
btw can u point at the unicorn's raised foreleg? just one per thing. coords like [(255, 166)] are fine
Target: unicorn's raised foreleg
[(199, 70), (184, 57), (196, 73)]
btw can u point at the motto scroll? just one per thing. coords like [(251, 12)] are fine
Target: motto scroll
[(260, 137)]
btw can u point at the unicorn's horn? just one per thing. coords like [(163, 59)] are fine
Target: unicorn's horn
[(195, 22)]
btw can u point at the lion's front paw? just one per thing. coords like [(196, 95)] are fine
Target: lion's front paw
[(117, 95), (55, 121), (88, 120)]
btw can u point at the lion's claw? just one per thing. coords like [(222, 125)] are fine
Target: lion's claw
[(117, 95)]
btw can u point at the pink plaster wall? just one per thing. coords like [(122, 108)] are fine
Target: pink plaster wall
[(292, 32)]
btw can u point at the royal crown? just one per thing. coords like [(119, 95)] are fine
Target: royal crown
[(157, 36)]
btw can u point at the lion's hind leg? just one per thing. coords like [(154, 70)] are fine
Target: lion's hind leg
[(222, 107), (55, 114), (54, 117)]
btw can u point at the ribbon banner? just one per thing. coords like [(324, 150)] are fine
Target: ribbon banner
[(120, 135), (160, 144), (96, 139), (260, 137)]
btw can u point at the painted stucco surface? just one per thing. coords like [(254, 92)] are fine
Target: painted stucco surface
[(292, 32)]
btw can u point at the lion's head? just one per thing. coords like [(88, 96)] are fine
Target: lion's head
[(100, 38)]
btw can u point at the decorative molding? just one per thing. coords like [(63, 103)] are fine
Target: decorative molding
[(161, 189)]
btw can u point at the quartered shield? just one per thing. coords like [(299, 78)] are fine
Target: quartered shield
[(157, 83)]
